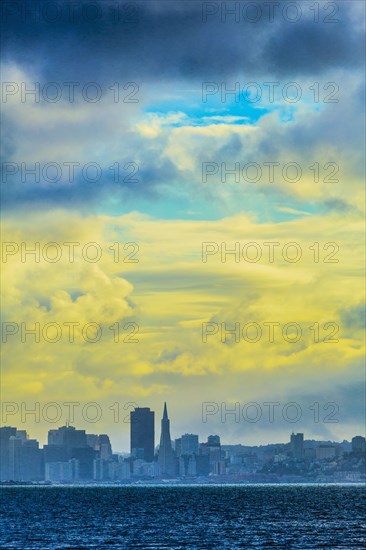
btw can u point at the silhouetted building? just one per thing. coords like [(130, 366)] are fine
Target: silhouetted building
[(178, 447), (20, 457), (65, 445), (85, 456), (54, 453), (358, 444), (142, 433), (325, 452), (212, 449), (202, 465), (5, 433), (105, 448), (166, 458), (213, 441), (15, 444), (297, 445), (101, 444), (69, 438), (30, 461), (71, 456), (189, 444)]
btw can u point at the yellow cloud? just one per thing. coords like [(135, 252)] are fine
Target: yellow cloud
[(169, 294)]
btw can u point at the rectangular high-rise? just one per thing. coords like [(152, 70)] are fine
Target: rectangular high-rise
[(297, 445), (142, 422), (67, 437), (5, 433)]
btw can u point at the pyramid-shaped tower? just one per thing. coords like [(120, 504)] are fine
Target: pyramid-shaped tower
[(166, 458)]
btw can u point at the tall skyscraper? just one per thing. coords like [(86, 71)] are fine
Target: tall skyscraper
[(166, 456), (5, 433), (142, 433)]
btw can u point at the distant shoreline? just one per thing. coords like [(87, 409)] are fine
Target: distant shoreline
[(186, 484)]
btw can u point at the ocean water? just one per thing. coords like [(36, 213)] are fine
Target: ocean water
[(154, 517)]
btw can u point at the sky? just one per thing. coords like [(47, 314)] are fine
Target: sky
[(181, 172)]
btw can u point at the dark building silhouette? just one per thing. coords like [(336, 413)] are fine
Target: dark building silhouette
[(213, 441), (297, 445), (68, 448), (54, 453), (31, 467), (15, 444), (166, 456), (105, 447), (178, 447), (72, 456), (216, 457), (20, 457), (69, 438), (101, 444), (5, 433), (142, 433), (358, 444), (85, 457), (202, 465)]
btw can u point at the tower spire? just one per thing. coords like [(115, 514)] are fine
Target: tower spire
[(166, 458)]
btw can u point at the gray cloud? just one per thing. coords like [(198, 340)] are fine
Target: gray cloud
[(354, 317), (164, 40)]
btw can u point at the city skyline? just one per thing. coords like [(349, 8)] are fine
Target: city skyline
[(235, 420), (144, 416), (72, 455)]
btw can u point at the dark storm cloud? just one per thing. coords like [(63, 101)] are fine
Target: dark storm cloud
[(161, 41), (164, 40)]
